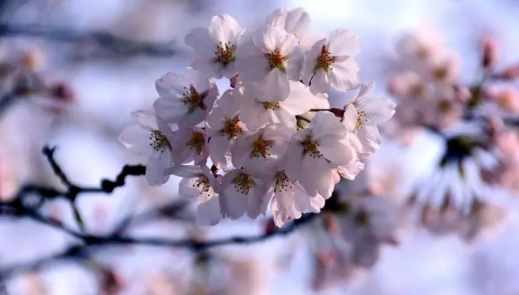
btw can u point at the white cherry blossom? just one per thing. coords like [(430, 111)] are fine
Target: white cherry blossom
[(184, 101), (362, 116), (295, 21), (215, 47), (260, 151), (242, 193), (200, 184), (330, 62), (290, 199), (190, 144), (223, 126), (150, 137), (316, 151), (270, 59), (257, 113)]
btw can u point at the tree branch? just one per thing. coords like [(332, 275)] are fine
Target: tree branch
[(105, 39), (20, 207)]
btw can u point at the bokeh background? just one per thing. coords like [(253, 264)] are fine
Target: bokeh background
[(107, 81)]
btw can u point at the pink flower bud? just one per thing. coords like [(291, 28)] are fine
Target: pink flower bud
[(489, 52)]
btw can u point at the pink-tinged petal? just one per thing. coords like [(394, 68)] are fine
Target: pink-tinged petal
[(294, 159), (319, 82), (343, 42), (287, 44), (282, 116), (172, 85), (337, 151), (350, 117), (268, 38), (224, 28), (208, 211), (300, 100), (370, 138), (241, 150), (351, 170), (187, 188), (186, 171), (344, 75), (207, 67), (137, 140), (198, 39), (316, 204), (277, 17), (257, 198), (295, 64), (274, 87), (147, 120), (192, 118), (297, 22), (219, 146), (233, 204), (326, 123), (170, 110), (310, 61), (156, 166)]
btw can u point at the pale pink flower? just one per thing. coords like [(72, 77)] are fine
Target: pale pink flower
[(190, 144), (295, 21), (215, 47), (150, 137), (256, 113), (242, 193), (316, 151), (271, 59), (330, 63), (182, 101), (259, 152), (223, 126)]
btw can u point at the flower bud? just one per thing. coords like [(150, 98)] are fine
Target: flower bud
[(331, 224), (62, 92), (489, 46)]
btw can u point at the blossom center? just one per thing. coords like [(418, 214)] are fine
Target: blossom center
[(361, 118), (193, 98), (159, 141), (261, 148), (276, 60), (440, 73), (225, 53), (418, 90), (243, 183), (231, 127), (271, 105), (362, 218), (202, 183), (325, 60), (196, 142), (310, 147), (444, 106), (283, 183)]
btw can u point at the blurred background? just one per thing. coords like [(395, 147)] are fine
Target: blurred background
[(72, 71)]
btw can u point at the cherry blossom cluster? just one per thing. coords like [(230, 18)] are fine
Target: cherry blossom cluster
[(478, 121), (272, 139)]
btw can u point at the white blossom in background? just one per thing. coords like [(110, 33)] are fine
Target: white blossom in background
[(272, 140), (150, 136)]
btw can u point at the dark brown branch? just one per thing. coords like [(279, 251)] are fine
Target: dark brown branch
[(105, 39)]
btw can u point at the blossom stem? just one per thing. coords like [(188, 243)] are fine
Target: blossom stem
[(319, 110)]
